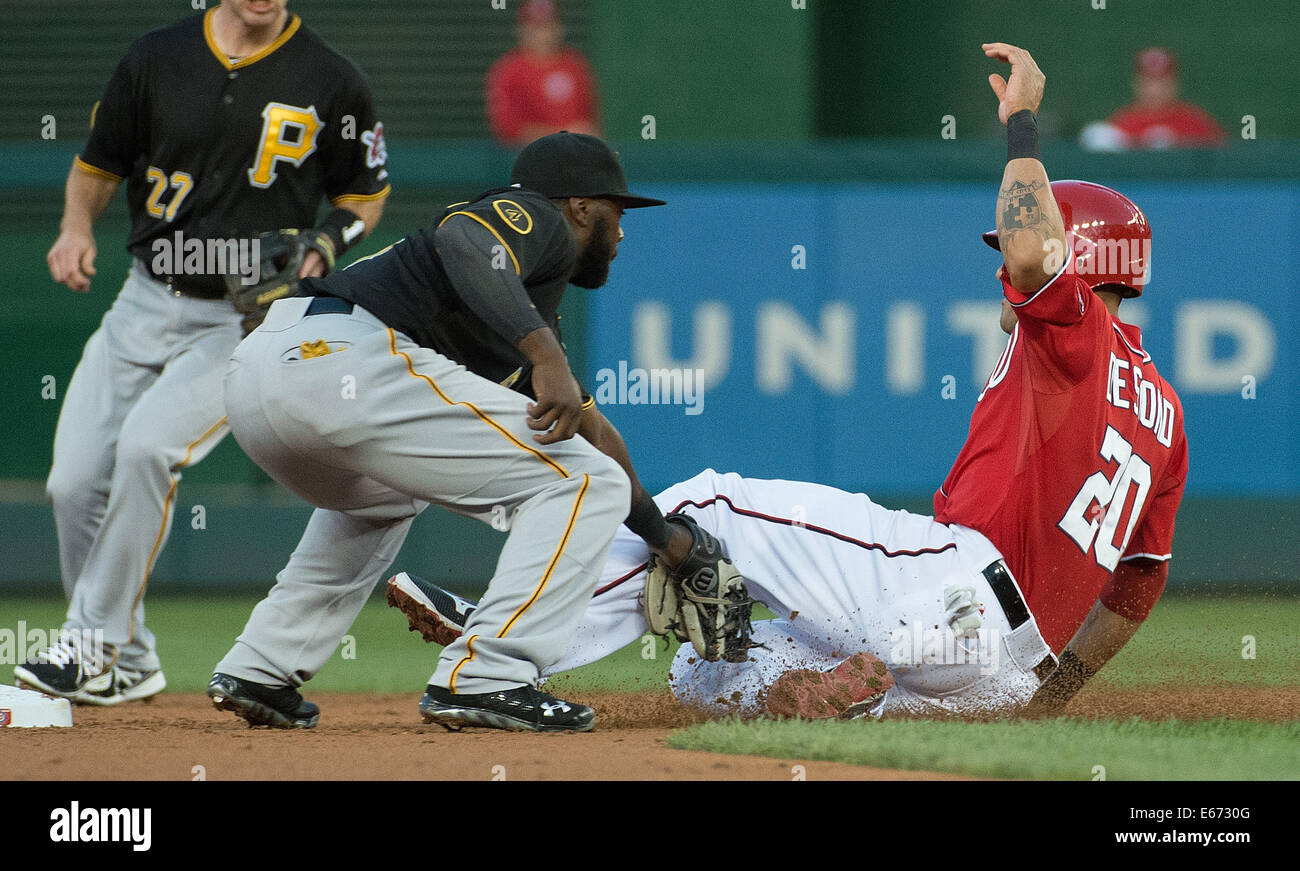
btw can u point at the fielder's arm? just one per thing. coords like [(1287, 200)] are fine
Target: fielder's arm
[(72, 257), (1123, 605), (1030, 230), (668, 540), (349, 223), (369, 211), (498, 297)]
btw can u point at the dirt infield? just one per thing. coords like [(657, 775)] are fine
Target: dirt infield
[(380, 737), (364, 737)]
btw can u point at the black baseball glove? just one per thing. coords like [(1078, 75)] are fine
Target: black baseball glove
[(280, 258), (703, 600)]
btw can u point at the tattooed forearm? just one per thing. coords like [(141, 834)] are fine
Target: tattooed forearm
[(1029, 222), (1018, 206)]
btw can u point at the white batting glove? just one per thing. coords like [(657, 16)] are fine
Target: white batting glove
[(963, 611)]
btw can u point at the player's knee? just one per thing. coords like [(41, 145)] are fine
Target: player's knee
[(608, 493), (69, 485), (137, 449)]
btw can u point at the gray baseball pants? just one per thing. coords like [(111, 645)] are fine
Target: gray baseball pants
[(373, 432), (143, 403)]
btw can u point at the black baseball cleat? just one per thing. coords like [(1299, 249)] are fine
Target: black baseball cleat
[(63, 670), (522, 709), (439, 616), (260, 705)]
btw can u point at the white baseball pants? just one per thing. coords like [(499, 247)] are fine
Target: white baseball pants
[(842, 574)]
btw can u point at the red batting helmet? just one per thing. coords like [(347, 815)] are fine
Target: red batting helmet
[(1108, 234)]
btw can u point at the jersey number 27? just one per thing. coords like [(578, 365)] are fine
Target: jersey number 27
[(1098, 507)]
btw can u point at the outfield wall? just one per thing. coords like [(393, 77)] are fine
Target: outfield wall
[(835, 371), (844, 331)]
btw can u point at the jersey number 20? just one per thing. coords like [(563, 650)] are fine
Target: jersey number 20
[(1095, 514)]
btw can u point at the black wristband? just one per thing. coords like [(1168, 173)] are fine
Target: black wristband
[(1022, 135), (646, 520), (336, 224)]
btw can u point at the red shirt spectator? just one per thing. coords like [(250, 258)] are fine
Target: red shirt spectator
[(541, 86), (1156, 118), (1173, 126)]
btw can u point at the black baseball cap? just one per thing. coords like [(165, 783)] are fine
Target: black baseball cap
[(568, 164)]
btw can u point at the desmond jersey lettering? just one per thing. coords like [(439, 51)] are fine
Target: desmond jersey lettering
[(1031, 477)]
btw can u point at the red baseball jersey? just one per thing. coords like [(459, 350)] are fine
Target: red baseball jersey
[(1177, 125), (1076, 455), (554, 91)]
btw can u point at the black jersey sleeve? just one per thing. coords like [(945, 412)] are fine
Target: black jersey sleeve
[(357, 164), (473, 258), (531, 231), (117, 135)]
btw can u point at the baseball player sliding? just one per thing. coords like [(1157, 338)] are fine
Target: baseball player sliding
[(1052, 531), (225, 125), (405, 380)]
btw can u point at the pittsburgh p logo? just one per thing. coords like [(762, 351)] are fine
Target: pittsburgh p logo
[(288, 133)]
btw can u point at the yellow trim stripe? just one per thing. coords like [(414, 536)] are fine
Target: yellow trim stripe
[(91, 169), (166, 513), (564, 540), (469, 645), (410, 369), (590, 403), (491, 229), (362, 198), (294, 23)]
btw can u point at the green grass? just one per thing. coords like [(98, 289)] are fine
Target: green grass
[(193, 634), (1184, 636), (1064, 749), (1200, 638)]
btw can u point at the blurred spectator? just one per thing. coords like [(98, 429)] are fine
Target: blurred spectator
[(542, 85), (1156, 118)]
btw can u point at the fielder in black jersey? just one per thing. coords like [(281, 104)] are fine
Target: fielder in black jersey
[(388, 388), (224, 125), (218, 148), (507, 236), (488, 278)]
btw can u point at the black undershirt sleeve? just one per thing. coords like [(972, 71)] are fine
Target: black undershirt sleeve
[(496, 295), (646, 519)]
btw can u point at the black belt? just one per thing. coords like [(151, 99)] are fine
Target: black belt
[(328, 305), (177, 286), (1008, 594), (1013, 605)]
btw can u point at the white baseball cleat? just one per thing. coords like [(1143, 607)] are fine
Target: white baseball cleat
[(439, 616)]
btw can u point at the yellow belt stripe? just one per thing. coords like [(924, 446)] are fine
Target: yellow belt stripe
[(410, 368), (564, 540)]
